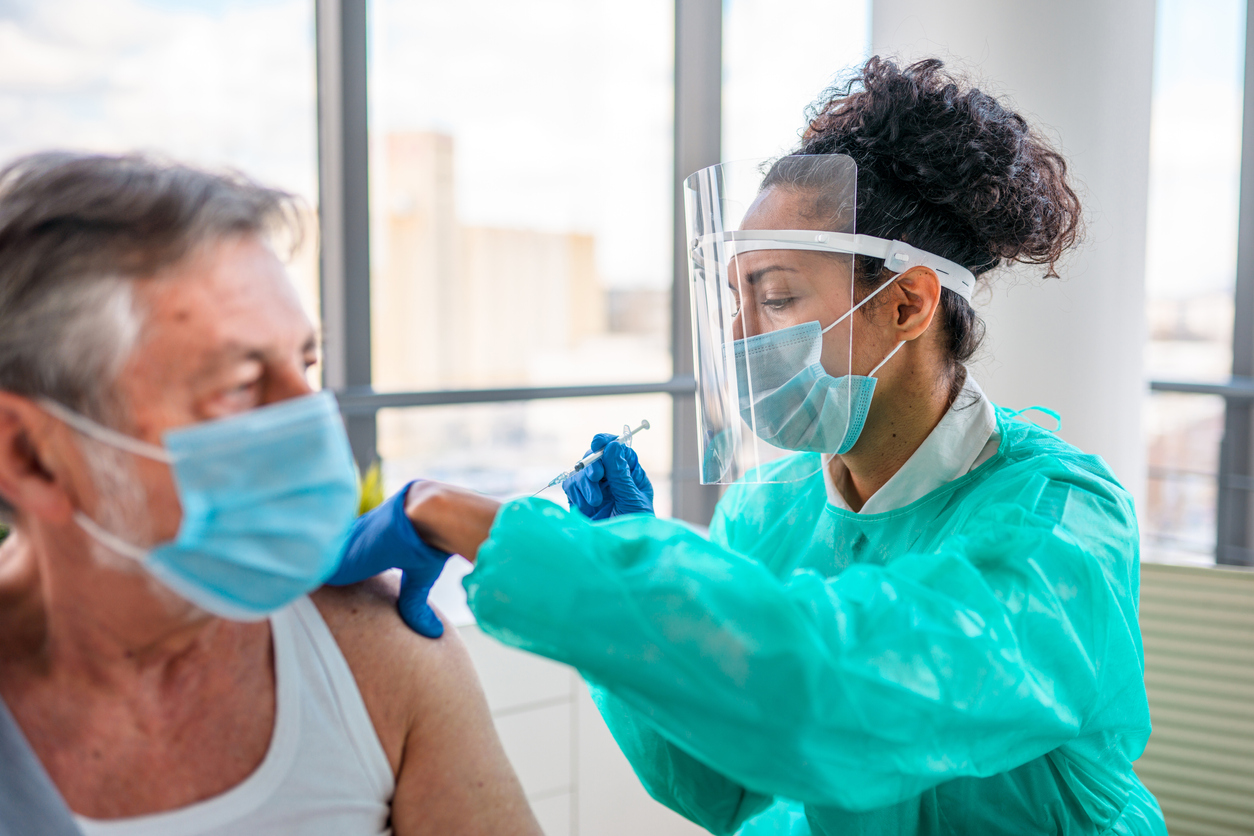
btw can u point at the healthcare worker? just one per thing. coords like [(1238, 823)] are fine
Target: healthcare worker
[(920, 620)]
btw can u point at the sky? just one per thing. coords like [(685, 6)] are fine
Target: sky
[(227, 83), (559, 109), (1195, 147)]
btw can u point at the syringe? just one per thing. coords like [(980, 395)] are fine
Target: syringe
[(625, 438)]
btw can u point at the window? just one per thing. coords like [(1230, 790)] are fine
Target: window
[(520, 174), (213, 82), (777, 59), (1195, 159)]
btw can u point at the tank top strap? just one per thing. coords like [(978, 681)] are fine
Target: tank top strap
[(315, 638)]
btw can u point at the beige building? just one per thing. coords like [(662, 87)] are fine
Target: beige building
[(460, 307)]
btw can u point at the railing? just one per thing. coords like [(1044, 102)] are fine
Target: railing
[(1234, 528), (363, 400)]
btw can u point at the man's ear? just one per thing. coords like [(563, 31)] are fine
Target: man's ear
[(28, 441), (917, 302)]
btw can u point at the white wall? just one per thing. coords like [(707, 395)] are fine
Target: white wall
[(1081, 70), (577, 780)]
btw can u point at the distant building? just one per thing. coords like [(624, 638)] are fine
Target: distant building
[(457, 306)]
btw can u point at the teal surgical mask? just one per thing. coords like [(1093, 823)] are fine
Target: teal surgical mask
[(790, 400), (268, 498)]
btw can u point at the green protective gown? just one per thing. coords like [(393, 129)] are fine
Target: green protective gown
[(968, 664)]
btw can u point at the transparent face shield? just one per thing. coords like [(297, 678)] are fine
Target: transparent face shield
[(772, 297)]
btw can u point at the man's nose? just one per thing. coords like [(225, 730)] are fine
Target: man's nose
[(287, 383)]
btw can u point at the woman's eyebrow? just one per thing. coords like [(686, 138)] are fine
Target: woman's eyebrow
[(754, 276)]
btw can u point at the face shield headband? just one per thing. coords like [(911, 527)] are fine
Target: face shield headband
[(898, 256)]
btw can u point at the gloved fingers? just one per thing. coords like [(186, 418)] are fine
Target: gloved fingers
[(594, 472), (641, 479), (633, 461), (583, 494), (414, 609), (600, 440), (618, 471), (629, 495), (593, 490)]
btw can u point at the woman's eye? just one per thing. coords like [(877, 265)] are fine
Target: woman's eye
[(778, 304)]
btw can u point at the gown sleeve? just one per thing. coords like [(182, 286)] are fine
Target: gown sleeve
[(855, 691)]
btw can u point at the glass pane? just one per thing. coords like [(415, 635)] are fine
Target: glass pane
[(210, 82), (778, 56), (1194, 174), (521, 192), (1179, 514), (513, 449), (509, 450)]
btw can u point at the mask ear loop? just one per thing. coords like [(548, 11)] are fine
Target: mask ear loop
[(108, 539), (104, 435), (886, 359), (120, 441), (869, 297)]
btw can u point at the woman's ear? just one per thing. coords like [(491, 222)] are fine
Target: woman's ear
[(917, 302)]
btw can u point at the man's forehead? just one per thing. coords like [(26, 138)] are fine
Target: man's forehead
[(226, 302)]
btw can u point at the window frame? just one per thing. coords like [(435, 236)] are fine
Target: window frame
[(1234, 534), (344, 247)]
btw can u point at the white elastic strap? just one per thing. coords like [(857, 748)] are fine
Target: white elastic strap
[(108, 539), (113, 438), (886, 359), (898, 256), (868, 298)]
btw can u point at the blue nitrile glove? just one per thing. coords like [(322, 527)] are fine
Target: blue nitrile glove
[(385, 539), (612, 485)]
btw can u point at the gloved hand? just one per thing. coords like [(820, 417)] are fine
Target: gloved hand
[(385, 539), (612, 485)]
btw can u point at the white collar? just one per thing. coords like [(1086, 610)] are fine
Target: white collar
[(965, 438)]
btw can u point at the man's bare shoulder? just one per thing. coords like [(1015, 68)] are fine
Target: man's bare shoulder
[(397, 671), (430, 713)]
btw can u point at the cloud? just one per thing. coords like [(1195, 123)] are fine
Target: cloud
[(235, 87)]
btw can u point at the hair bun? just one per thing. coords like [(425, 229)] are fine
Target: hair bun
[(947, 167)]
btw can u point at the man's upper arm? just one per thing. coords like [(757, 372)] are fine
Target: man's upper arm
[(426, 703)]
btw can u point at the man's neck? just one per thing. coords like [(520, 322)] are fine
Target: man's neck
[(100, 619), (133, 703), (900, 420)]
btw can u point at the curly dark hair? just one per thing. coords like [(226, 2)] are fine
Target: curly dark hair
[(948, 169)]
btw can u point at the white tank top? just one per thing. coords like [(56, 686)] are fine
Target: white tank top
[(325, 773)]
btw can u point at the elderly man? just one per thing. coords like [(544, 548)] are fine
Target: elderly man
[(175, 489)]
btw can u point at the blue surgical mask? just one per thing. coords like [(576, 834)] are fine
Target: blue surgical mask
[(789, 398), (268, 498)]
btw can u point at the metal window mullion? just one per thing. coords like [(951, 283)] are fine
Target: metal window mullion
[(698, 143), (364, 401), (1233, 540), (344, 208)]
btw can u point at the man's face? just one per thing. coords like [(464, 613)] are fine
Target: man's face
[(222, 332)]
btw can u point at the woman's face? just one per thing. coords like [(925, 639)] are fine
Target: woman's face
[(776, 289)]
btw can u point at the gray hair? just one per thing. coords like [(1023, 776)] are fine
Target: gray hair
[(76, 230)]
